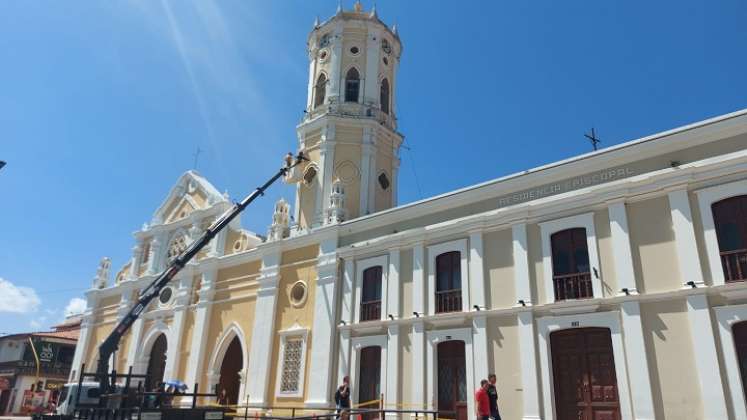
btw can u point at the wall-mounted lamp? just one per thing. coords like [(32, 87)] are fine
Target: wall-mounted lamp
[(391, 317), (342, 322), (522, 303), (477, 308), (626, 291), (691, 284), (596, 273), (417, 315)]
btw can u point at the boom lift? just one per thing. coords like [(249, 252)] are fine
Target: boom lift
[(111, 344)]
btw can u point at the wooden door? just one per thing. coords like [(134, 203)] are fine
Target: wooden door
[(156, 363), (452, 380), (369, 387), (584, 375), (740, 342), (230, 380)]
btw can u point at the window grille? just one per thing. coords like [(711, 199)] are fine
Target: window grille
[(290, 379)]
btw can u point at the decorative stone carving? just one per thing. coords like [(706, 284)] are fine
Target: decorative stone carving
[(102, 273), (280, 220), (336, 211)]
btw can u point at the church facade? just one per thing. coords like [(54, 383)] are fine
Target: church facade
[(609, 285)]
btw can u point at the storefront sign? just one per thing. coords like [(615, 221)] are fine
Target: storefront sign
[(46, 353), (54, 385)]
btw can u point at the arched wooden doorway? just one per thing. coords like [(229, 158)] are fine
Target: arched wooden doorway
[(584, 377), (156, 363), (369, 388), (232, 363), (452, 380)]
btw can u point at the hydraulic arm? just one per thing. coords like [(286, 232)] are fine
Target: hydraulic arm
[(110, 345)]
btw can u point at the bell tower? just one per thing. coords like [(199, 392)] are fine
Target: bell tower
[(349, 128)]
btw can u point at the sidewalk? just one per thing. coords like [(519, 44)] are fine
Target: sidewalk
[(15, 417)]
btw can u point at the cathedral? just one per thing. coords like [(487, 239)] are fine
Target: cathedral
[(611, 285)]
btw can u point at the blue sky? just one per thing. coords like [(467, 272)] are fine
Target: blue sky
[(103, 104)]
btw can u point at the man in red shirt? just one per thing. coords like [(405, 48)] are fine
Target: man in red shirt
[(482, 402)]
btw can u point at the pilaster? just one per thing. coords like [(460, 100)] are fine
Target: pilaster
[(84, 337), (621, 253), (684, 237), (335, 61), (348, 275), (155, 254), (418, 279), (137, 258), (418, 365), (528, 360), (476, 270), (326, 168), (202, 320), (480, 349), (521, 264), (391, 395), (706, 358), (371, 87), (263, 330), (367, 152), (393, 284), (174, 351), (635, 349), (343, 363), (324, 328)]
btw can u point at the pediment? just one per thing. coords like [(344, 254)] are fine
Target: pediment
[(191, 192)]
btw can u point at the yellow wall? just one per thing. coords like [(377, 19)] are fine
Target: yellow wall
[(499, 270), (652, 245), (405, 278), (223, 314), (671, 360), (186, 345)]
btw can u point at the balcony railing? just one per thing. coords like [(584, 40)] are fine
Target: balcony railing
[(449, 300), (573, 286), (735, 265), (351, 109), (371, 311)]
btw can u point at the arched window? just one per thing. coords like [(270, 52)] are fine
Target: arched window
[(570, 264), (320, 90), (371, 294), (352, 85), (449, 282), (156, 363), (384, 96), (730, 218)]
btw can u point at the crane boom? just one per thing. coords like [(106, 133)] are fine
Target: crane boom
[(111, 343)]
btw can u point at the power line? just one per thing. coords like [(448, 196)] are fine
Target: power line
[(414, 171)]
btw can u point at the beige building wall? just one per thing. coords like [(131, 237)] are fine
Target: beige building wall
[(405, 278), (674, 380), (536, 270), (606, 259), (503, 354), (652, 245), (499, 272)]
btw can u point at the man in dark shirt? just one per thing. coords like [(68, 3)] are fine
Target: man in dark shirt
[(493, 397)]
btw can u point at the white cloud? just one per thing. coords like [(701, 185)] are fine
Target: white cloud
[(35, 324), (75, 306), (15, 299)]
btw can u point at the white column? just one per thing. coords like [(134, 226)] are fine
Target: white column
[(480, 350), (325, 315), (343, 363), (371, 81), (621, 247), (393, 285), (202, 321), (137, 258), (326, 169), (706, 358), (263, 330), (86, 325), (418, 279), (174, 349), (312, 79), (135, 346), (155, 254), (476, 271), (391, 394), (684, 235), (348, 292), (528, 360), (521, 264), (335, 61), (418, 365), (635, 350)]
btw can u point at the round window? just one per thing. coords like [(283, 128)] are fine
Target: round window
[(323, 55), (386, 61), (354, 50), (298, 293), (165, 295)]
